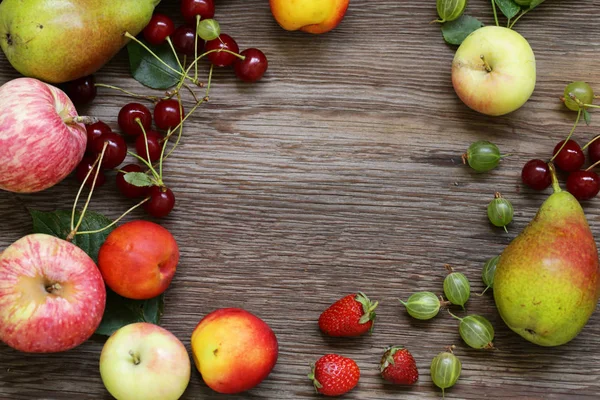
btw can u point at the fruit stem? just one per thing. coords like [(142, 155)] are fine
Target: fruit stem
[(154, 173), (485, 63), (153, 99), (458, 318), (139, 122), (593, 165), (591, 105), (495, 12), (555, 185), (130, 36), (115, 221), (98, 161), (569, 136), (80, 120), (53, 288), (174, 52), (519, 17), (196, 47), (136, 358)]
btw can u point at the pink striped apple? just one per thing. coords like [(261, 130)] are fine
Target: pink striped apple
[(52, 296), (41, 141)]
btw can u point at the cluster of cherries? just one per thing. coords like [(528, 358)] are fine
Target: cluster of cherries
[(199, 35), (568, 155), (135, 121)]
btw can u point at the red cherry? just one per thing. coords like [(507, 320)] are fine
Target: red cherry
[(128, 115), (84, 167), (81, 91), (570, 158), (126, 188), (184, 39), (167, 114), (158, 29), (536, 174), (594, 151), (253, 67), (161, 201), (94, 131), (154, 146), (115, 151), (191, 8), (584, 185), (221, 58)]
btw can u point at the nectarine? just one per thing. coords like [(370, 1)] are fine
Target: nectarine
[(312, 16)]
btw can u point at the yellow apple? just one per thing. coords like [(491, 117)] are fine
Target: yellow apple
[(312, 16), (494, 70), (233, 350)]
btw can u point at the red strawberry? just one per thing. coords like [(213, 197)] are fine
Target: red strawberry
[(351, 315), (333, 375), (398, 366)]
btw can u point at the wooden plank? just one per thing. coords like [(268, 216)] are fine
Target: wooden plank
[(341, 171)]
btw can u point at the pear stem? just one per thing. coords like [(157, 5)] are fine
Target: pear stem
[(555, 185)]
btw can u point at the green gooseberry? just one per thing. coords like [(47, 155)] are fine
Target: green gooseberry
[(449, 10), (476, 331), (445, 370), (482, 156), (423, 305), (581, 91), (457, 288), (488, 272), (500, 211), (208, 29)]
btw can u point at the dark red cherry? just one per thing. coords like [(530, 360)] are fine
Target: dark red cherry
[(251, 68), (222, 58)]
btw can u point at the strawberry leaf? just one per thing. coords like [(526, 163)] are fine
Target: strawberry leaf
[(456, 31), (148, 70), (138, 179)]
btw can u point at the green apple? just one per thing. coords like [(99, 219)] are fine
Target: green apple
[(494, 71), (143, 361)]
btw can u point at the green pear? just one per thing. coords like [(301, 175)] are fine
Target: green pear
[(547, 280), (60, 40)]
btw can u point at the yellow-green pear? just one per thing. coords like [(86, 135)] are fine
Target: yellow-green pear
[(60, 40), (547, 279)]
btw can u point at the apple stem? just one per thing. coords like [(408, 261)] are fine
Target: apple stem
[(569, 136), (485, 63), (136, 358), (555, 185), (80, 120), (53, 288)]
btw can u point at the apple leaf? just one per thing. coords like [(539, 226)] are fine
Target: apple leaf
[(587, 117), (508, 7), (148, 70), (58, 223), (456, 31), (138, 179), (121, 311)]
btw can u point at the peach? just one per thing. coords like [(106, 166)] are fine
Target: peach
[(312, 16), (233, 350), (138, 259)]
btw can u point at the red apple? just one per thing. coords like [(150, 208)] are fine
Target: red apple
[(233, 350), (40, 142), (138, 259), (52, 296)]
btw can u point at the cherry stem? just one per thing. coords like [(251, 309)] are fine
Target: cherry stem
[(115, 221), (174, 52), (593, 165), (139, 122), (591, 105), (555, 185), (569, 136), (98, 161), (516, 19), (495, 12), (485, 63), (129, 36), (153, 99), (590, 142), (196, 47)]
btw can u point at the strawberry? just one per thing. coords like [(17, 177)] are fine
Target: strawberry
[(334, 375), (398, 366), (351, 315)]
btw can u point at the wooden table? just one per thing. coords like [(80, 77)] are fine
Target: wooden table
[(339, 172)]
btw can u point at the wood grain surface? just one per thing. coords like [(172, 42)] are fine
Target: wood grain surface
[(340, 171)]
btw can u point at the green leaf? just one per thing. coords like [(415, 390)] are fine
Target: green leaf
[(149, 71), (456, 31), (508, 7), (58, 223), (138, 179), (121, 311), (587, 117), (535, 3)]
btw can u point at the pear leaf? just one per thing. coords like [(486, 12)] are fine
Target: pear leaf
[(138, 179), (587, 117), (508, 7), (58, 223), (456, 31), (148, 70), (121, 311)]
